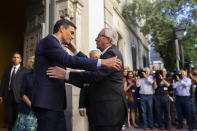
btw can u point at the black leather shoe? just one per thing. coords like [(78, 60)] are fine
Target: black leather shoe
[(151, 127), (160, 127), (190, 128), (167, 127), (179, 127)]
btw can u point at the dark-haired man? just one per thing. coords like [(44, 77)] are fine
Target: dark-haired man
[(161, 100), (10, 89), (49, 97)]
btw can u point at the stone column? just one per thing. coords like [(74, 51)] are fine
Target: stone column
[(79, 123), (78, 5)]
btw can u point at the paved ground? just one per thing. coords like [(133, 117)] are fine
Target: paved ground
[(134, 129), (139, 129)]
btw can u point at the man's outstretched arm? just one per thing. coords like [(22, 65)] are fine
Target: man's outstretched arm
[(55, 52)]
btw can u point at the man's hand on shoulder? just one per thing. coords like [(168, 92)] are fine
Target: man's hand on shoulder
[(113, 62), (56, 72)]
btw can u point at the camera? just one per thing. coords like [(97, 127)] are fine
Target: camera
[(140, 73), (158, 73), (179, 74), (188, 66), (169, 74)]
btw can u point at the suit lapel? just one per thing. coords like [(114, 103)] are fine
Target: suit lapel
[(101, 56), (19, 69), (9, 72)]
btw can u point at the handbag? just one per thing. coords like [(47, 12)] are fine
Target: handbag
[(130, 97)]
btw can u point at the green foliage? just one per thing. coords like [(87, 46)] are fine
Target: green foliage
[(160, 19)]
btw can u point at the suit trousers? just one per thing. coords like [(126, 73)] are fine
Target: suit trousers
[(183, 107), (49, 120), (12, 109), (162, 108)]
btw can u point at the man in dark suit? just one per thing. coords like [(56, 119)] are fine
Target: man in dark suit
[(49, 97), (107, 108), (10, 89), (83, 102)]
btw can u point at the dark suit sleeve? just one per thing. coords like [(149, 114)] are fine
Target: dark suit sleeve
[(82, 97), (3, 83), (54, 51), (23, 87), (81, 54), (89, 76)]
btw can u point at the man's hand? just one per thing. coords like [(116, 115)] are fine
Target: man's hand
[(145, 76), (82, 113), (177, 77), (1, 100), (71, 47), (113, 62), (161, 77), (137, 78), (56, 72)]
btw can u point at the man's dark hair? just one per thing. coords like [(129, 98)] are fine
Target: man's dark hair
[(63, 22), (17, 54)]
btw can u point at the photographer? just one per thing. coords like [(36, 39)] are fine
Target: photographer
[(146, 95), (171, 92), (162, 103), (183, 100), (193, 75)]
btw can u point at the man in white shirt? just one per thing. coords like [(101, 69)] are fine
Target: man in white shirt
[(183, 100), (146, 96)]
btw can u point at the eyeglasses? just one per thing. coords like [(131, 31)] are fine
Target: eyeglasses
[(102, 36)]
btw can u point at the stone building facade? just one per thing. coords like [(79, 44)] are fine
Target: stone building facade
[(90, 16)]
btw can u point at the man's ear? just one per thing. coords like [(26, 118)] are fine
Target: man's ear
[(110, 40), (21, 60), (61, 28)]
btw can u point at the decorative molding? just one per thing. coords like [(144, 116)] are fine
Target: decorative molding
[(65, 9), (78, 5)]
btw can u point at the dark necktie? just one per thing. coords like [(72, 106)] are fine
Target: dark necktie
[(12, 79)]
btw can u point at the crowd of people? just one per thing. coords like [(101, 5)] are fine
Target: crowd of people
[(161, 99), (35, 97)]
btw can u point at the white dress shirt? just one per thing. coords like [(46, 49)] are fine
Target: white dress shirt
[(183, 87), (146, 86)]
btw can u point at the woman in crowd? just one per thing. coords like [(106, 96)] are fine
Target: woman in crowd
[(26, 120), (130, 87), (132, 106), (125, 72)]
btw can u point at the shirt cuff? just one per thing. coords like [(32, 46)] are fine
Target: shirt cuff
[(85, 84), (81, 109), (99, 63), (76, 52), (67, 75)]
